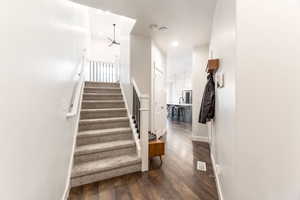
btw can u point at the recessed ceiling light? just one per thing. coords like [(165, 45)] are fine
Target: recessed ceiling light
[(175, 44)]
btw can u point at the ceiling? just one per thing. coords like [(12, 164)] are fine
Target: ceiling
[(188, 21), (101, 24)]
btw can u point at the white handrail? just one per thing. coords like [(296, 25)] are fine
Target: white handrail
[(76, 96), (138, 92)]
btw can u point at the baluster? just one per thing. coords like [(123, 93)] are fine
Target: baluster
[(133, 112), (110, 73), (98, 70), (96, 67), (101, 74), (93, 70), (103, 70), (113, 72), (104, 75), (90, 70), (106, 72)]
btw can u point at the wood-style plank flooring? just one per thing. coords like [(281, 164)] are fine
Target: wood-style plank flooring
[(176, 179)]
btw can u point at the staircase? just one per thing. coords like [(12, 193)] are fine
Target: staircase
[(105, 147)]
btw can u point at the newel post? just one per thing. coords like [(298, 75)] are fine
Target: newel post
[(144, 138)]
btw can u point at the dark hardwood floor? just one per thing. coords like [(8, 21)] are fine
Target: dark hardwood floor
[(177, 178)]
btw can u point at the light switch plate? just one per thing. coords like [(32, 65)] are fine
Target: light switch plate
[(201, 166)]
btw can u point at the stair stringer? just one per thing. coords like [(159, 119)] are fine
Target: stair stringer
[(71, 160)]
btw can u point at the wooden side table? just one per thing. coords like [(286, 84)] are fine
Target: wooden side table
[(156, 148)]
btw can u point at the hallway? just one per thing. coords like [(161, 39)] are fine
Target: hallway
[(177, 178)]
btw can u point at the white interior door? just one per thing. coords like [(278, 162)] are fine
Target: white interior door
[(160, 95)]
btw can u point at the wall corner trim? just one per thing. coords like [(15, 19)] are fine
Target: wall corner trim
[(219, 188)]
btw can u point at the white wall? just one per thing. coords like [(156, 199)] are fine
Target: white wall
[(101, 28), (41, 43), (223, 46), (199, 80), (256, 132), (125, 75), (158, 57), (268, 96), (99, 50), (140, 62), (126, 25)]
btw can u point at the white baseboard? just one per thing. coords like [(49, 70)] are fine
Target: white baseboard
[(219, 188), (200, 139)]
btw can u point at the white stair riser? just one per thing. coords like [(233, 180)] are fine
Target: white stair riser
[(105, 125), (97, 105), (97, 84), (105, 175), (104, 138), (101, 97), (102, 114), (102, 90), (104, 154)]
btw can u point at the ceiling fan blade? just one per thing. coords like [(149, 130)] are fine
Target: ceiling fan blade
[(109, 39), (111, 44)]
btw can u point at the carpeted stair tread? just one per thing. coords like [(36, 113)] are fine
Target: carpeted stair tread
[(102, 109), (100, 132), (107, 164), (107, 146), (103, 120)]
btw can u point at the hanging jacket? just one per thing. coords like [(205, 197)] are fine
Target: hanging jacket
[(207, 111)]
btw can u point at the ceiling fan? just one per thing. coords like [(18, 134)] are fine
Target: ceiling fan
[(113, 41)]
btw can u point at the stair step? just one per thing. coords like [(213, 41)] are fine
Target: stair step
[(83, 180), (102, 96), (94, 104), (100, 147), (103, 132), (104, 135), (102, 90), (104, 165), (103, 123), (101, 84), (103, 113), (99, 151)]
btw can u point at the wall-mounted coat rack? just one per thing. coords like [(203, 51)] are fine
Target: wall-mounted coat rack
[(212, 65)]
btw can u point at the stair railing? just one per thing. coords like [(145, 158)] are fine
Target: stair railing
[(78, 89), (100, 71), (140, 116)]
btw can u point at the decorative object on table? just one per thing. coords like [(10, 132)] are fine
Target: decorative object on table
[(152, 136)]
